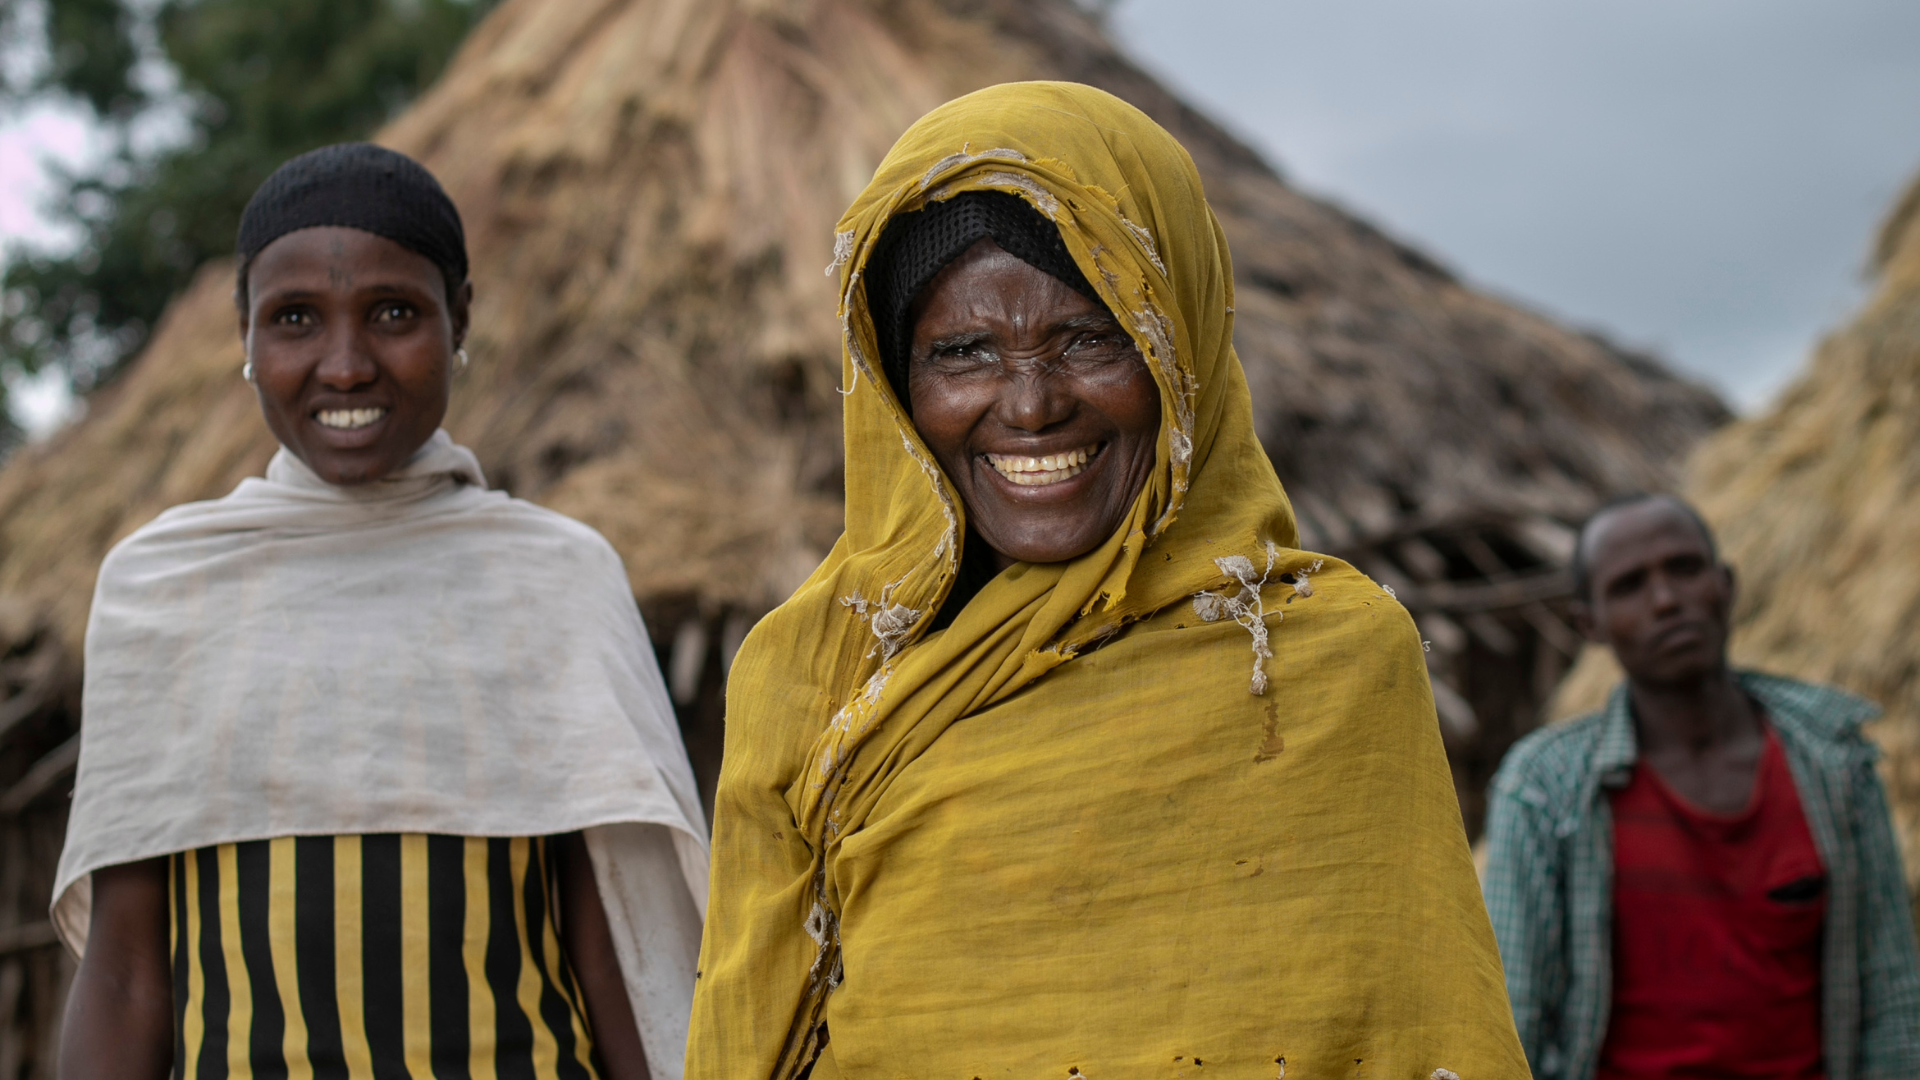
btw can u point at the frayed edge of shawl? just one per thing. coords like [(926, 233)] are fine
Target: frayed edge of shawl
[(967, 157), (842, 251), (1248, 608)]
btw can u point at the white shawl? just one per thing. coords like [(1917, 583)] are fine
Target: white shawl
[(415, 655)]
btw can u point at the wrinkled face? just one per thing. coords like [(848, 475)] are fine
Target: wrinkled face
[(1035, 402), (1658, 597), (351, 337)]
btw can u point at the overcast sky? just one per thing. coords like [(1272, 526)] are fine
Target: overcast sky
[(1700, 177)]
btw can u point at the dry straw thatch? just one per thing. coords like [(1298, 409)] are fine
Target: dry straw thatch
[(650, 188), (1817, 506)]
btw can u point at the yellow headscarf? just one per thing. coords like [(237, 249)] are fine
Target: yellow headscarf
[(1178, 804)]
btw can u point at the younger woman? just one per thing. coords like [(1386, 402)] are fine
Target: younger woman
[(378, 777)]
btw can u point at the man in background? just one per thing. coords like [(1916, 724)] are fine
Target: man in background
[(1701, 878)]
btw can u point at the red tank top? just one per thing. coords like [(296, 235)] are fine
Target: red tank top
[(1716, 934)]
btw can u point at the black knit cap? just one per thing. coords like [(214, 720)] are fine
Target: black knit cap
[(360, 186), (918, 244)]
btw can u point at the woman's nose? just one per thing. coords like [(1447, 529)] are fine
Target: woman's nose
[(1034, 395), (347, 364)]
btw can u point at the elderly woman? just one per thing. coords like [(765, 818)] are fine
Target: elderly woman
[(377, 774), (1066, 762)]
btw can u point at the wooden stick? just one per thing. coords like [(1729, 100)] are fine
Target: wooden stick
[(1488, 596)]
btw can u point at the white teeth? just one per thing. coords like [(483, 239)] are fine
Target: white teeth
[(348, 419), (1040, 471)]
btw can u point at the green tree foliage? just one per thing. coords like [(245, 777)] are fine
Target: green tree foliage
[(262, 80)]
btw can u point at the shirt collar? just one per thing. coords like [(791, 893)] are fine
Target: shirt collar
[(1817, 715), (1614, 755)]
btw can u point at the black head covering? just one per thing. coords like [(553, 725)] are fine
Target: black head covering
[(361, 186), (918, 244)]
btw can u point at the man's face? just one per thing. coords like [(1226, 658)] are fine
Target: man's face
[(1656, 594)]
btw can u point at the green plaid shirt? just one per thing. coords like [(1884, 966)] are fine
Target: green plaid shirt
[(1549, 882)]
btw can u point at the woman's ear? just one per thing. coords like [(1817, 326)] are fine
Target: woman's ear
[(460, 312)]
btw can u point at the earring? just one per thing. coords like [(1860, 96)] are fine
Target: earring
[(246, 371), (460, 354)]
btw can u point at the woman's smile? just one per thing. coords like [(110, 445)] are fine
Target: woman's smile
[(349, 419), (1044, 471), (348, 429)]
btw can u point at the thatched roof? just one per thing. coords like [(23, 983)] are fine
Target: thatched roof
[(1817, 506), (650, 187)]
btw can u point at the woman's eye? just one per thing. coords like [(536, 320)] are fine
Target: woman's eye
[(393, 312), (294, 317), (964, 355), (1098, 346)]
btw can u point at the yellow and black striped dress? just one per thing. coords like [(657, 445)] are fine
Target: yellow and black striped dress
[(387, 956)]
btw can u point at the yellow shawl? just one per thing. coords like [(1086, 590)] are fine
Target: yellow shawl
[(1177, 805)]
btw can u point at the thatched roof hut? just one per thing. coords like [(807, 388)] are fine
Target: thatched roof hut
[(650, 188), (1817, 506)]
